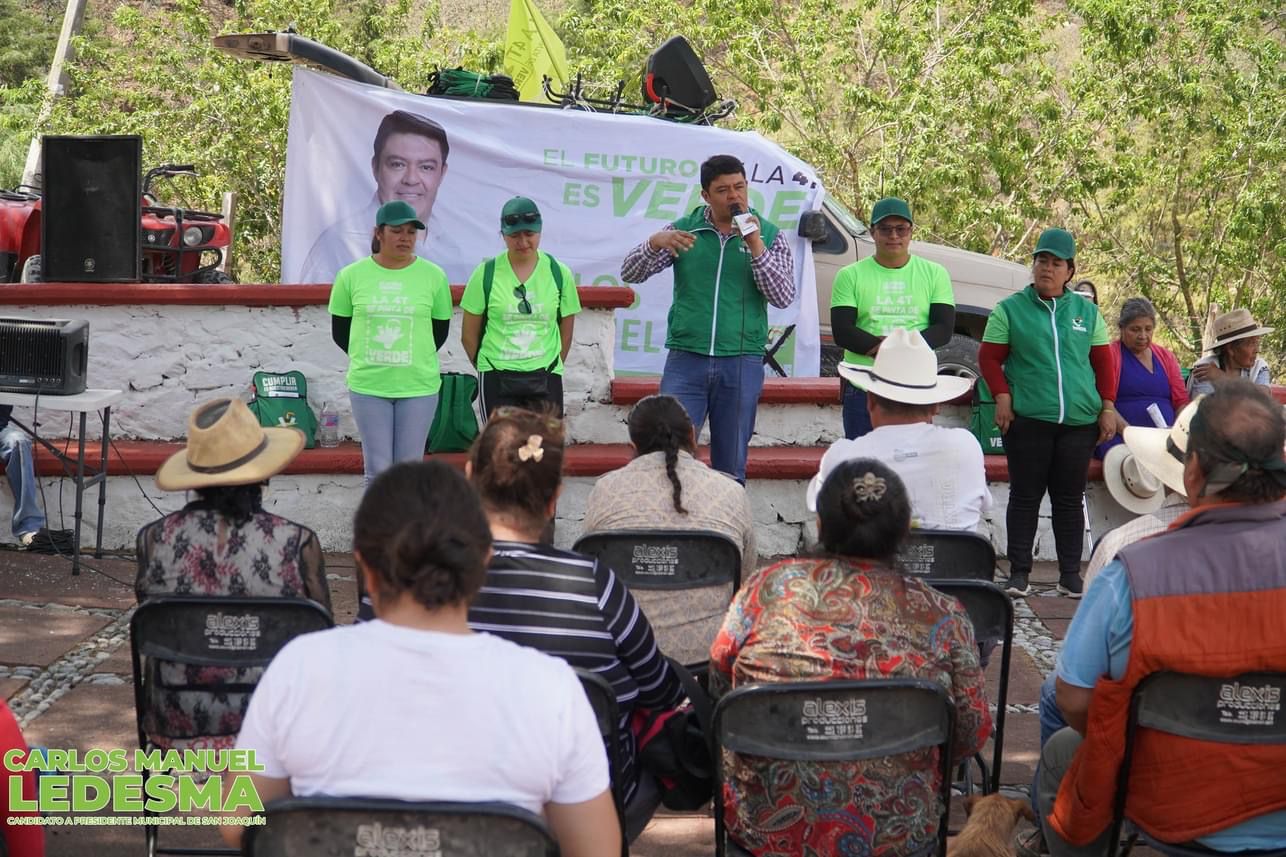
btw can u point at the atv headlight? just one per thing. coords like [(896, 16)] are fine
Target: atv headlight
[(192, 236), (157, 237)]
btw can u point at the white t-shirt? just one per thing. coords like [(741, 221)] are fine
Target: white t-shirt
[(379, 710), (941, 467)]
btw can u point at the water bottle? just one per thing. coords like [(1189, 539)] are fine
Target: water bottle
[(328, 433)]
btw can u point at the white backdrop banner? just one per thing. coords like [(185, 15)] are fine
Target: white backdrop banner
[(603, 182)]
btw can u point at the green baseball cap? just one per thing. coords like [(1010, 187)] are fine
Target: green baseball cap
[(396, 213), (891, 206), (519, 215), (1058, 242)]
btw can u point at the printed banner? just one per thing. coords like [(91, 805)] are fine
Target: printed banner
[(604, 183)]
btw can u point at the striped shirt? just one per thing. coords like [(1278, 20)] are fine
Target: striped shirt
[(773, 270), (568, 605)]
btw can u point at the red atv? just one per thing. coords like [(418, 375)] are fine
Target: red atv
[(178, 245)]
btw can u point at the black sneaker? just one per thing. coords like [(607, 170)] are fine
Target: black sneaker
[(1070, 585), (1018, 584)]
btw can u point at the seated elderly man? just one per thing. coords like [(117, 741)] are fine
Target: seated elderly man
[(941, 467), (1164, 604), (19, 467)]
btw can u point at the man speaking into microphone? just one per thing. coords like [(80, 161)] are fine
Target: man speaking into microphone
[(729, 263)]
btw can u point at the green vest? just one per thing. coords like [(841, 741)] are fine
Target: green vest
[(717, 310), (1048, 367)]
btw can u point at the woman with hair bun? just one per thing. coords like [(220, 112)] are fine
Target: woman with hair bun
[(415, 705), (666, 487), (559, 601), (848, 613)]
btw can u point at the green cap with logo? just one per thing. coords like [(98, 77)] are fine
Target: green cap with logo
[(1058, 242), (891, 206), (519, 215), (396, 213)]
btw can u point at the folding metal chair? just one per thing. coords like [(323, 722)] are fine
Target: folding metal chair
[(608, 715), (949, 554), (342, 827), (1205, 709), (653, 560), (992, 613), (833, 721), (175, 631)]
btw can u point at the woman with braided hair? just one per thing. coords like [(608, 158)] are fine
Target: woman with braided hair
[(666, 487), (847, 613), (561, 602)]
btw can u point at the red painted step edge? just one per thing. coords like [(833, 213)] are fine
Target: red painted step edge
[(142, 458), (270, 294)]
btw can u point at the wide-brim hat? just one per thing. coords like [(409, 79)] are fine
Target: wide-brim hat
[(1131, 484), (1162, 451), (1233, 325), (906, 371), (227, 446)]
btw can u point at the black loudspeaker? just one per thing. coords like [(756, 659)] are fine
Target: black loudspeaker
[(675, 74), (92, 209)]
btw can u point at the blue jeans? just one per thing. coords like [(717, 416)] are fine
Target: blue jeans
[(726, 388), (857, 417), (20, 467), (391, 430)]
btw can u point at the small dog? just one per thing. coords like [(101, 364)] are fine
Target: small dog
[(989, 832)]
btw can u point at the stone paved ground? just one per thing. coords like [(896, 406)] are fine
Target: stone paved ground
[(65, 671)]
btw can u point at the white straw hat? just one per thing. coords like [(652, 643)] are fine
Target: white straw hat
[(1162, 451), (1132, 485), (906, 370)]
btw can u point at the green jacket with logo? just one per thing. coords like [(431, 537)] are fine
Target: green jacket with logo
[(717, 309), (1048, 367)]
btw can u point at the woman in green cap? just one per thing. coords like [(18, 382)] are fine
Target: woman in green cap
[(391, 312), (518, 315), (1045, 355)]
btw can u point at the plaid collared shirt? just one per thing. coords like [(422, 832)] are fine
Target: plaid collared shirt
[(773, 270)]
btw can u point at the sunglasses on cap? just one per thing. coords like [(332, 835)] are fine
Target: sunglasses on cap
[(525, 217)]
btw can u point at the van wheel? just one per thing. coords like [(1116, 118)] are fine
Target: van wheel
[(959, 357), (31, 272)]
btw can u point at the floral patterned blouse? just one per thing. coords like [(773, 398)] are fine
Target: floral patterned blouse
[(805, 619), (197, 551)]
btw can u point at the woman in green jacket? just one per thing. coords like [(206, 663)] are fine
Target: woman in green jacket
[(1046, 358)]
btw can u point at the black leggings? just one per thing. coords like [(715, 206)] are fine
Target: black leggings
[(1047, 457)]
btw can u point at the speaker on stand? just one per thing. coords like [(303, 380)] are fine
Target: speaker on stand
[(90, 225)]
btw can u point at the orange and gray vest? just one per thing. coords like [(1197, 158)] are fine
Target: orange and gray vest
[(1209, 599)]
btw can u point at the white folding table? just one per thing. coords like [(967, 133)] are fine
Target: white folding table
[(99, 401)]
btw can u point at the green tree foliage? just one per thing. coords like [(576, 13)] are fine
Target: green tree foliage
[(28, 34), (1190, 100)]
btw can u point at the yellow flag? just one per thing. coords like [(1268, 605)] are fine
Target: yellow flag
[(532, 50)]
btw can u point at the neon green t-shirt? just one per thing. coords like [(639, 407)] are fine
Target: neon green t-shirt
[(391, 351), (890, 298), (514, 340)]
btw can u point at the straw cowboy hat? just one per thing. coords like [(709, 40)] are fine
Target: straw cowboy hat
[(1157, 451), (1231, 326), (1130, 483), (906, 370), (227, 446)]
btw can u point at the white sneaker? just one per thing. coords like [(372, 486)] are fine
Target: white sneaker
[(25, 539)]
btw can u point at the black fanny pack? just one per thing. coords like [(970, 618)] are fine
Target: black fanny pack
[(523, 385)]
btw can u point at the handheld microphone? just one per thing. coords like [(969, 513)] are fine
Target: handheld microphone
[(743, 220)]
